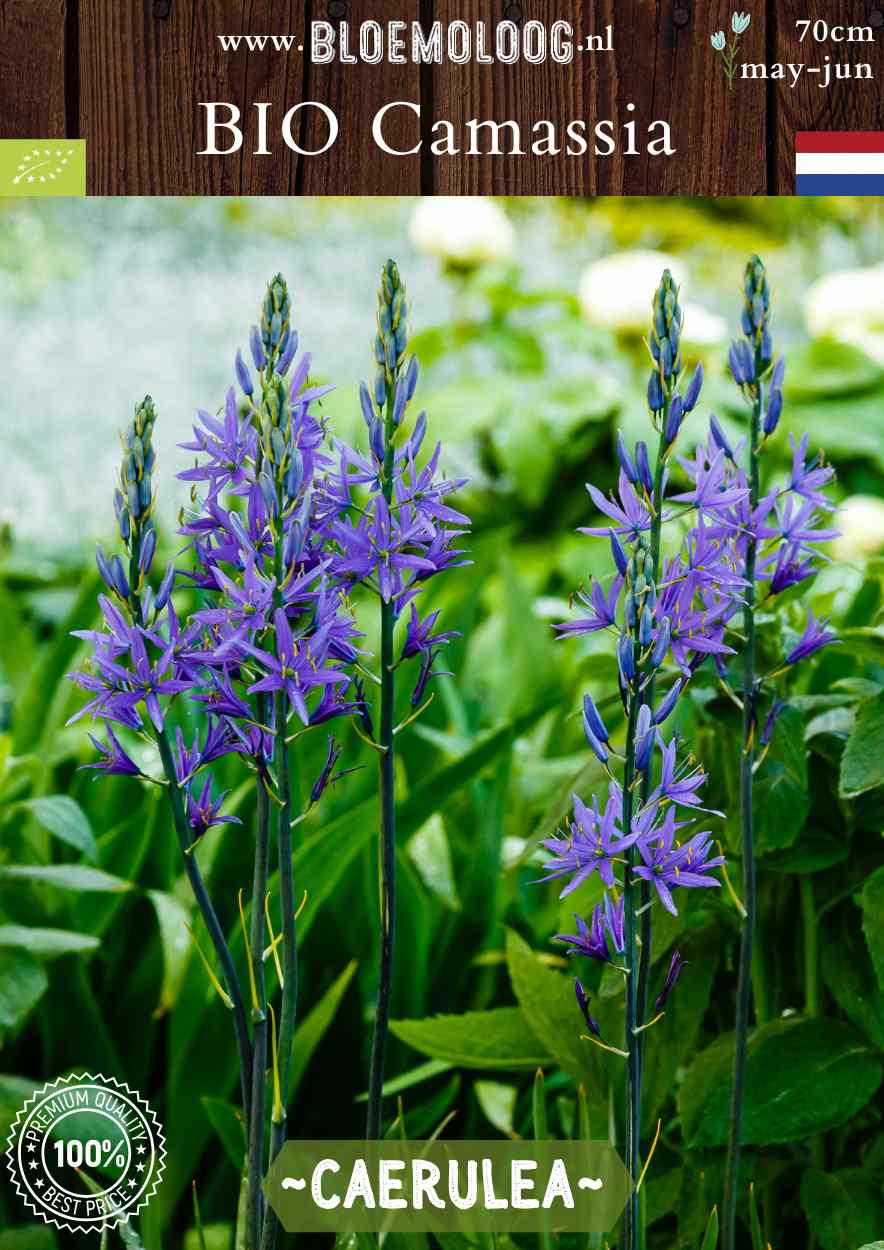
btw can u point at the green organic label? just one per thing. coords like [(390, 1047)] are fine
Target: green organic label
[(42, 167), (441, 1186)]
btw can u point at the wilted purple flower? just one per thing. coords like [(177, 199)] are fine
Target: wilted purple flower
[(583, 1004), (603, 937), (675, 966), (770, 723)]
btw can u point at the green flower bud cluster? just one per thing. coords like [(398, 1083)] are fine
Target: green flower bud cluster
[(665, 342), (391, 340), (756, 311), (641, 593), (275, 327), (133, 499)]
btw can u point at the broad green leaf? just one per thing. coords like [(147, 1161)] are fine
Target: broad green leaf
[(872, 900), (862, 764), (430, 853), (661, 1193), (47, 943), (498, 1103), (781, 799), (844, 1209), (227, 1121), (847, 971), (314, 1026), (65, 819), (827, 367), (14, 1091), (37, 1237), (802, 1077), (23, 982), (65, 877), (499, 1038), (549, 1006), (813, 852), (172, 920), (670, 1041)]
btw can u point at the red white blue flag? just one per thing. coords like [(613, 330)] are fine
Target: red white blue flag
[(839, 162)]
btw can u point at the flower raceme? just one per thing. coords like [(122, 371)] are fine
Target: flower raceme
[(663, 610), (281, 527)]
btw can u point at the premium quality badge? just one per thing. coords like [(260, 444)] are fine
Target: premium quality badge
[(85, 1152)]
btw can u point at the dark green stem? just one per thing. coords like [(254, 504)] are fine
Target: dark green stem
[(210, 919), (633, 1073), (812, 996), (811, 947), (387, 830), (744, 979), (646, 934), (259, 1018)]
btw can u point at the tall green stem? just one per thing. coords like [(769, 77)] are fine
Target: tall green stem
[(210, 919), (747, 762), (387, 830), (644, 967), (259, 1018), (811, 947), (633, 1073)]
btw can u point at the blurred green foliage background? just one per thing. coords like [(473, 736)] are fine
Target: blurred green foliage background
[(527, 317)]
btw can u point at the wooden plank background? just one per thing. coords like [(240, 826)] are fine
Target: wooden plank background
[(128, 75)]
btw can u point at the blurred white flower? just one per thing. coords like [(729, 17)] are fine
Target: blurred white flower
[(616, 293), (462, 229), (847, 305), (702, 328), (717, 41), (860, 519), (740, 22)]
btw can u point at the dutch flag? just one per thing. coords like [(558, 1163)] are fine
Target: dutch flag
[(839, 162)]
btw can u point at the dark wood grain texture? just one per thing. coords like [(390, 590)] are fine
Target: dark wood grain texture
[(144, 79), (843, 105), (32, 69), (131, 75), (355, 93)]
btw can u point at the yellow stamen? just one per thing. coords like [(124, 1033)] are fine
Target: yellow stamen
[(650, 1156), (257, 1012), (277, 1112), (730, 889), (216, 984), (586, 1037), (271, 949)]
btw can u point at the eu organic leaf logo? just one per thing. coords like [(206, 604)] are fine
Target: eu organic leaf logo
[(43, 167), (739, 25)]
